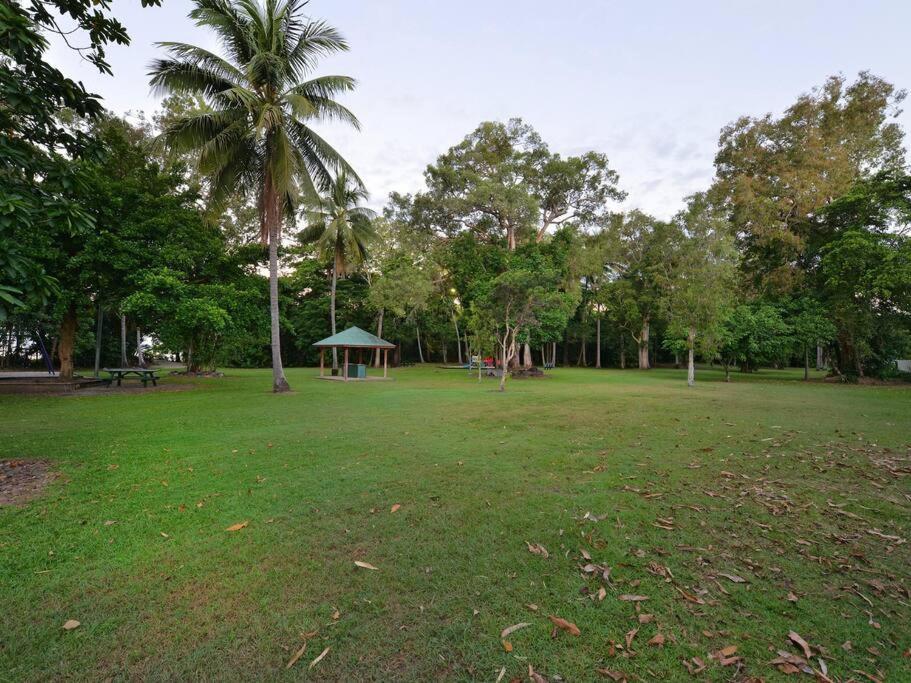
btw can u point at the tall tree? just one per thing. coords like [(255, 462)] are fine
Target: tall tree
[(256, 135), (699, 281), (775, 175), (341, 231)]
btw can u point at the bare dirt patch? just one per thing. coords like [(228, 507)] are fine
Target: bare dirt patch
[(23, 480)]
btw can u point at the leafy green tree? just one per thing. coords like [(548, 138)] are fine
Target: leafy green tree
[(700, 278), (751, 335), (341, 231), (255, 135), (811, 325), (775, 175)]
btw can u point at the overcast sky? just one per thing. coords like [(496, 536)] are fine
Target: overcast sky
[(648, 83)]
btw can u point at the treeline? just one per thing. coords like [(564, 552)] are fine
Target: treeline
[(158, 232)]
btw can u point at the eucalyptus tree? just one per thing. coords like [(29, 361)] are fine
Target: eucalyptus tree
[(255, 135), (341, 230)]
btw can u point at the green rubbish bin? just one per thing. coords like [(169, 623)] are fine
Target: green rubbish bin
[(357, 371)]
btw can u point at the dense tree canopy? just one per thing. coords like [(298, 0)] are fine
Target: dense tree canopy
[(799, 249)]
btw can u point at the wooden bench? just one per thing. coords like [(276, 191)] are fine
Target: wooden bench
[(142, 374)]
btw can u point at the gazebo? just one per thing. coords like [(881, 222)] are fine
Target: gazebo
[(354, 338)]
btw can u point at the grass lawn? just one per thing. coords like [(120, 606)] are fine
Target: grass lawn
[(742, 511)]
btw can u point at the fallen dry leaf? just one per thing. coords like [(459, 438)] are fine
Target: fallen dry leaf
[(633, 598), (319, 658), (502, 673), (617, 676), (297, 655), (646, 618), (512, 629), (70, 624), (804, 645), (733, 577), (601, 594), (507, 646), (537, 549), (237, 527), (629, 637), (657, 640), (395, 508), (567, 626), (365, 565)]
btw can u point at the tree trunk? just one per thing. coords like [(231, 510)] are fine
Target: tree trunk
[(139, 359), (727, 371), (417, 328), (67, 342), (643, 346), (598, 342), (505, 360), (819, 359), (123, 341), (806, 362), (98, 330), (676, 361), (622, 351), (279, 383), (332, 313), (690, 364), (455, 322), (527, 361), (379, 333)]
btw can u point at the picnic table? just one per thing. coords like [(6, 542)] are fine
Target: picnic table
[(145, 375)]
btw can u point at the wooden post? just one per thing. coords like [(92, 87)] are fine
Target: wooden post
[(322, 363), (385, 361), (346, 363)]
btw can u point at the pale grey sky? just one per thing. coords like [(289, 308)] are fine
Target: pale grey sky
[(648, 83)]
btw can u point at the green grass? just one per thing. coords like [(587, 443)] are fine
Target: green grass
[(749, 472)]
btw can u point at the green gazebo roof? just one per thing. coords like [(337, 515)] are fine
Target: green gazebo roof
[(355, 337)]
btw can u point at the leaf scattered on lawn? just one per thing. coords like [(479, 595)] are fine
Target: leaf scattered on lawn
[(365, 565), (163, 534), (725, 656), (633, 598), (602, 593), (567, 626), (500, 677), (237, 527), (657, 640), (512, 629), (319, 658), (70, 624), (690, 597), (733, 577), (297, 655), (804, 645), (629, 638), (507, 646), (617, 676), (534, 676), (532, 606), (792, 597), (695, 666), (395, 508), (537, 549), (646, 618)]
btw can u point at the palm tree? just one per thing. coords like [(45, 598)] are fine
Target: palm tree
[(341, 230), (254, 135)]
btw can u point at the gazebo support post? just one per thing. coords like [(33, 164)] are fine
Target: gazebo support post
[(346, 363), (322, 363), (385, 361)]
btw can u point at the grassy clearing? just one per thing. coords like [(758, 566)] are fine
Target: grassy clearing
[(795, 488)]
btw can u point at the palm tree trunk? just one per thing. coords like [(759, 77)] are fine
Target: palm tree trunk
[(123, 341), (279, 383), (332, 313), (379, 333), (98, 329)]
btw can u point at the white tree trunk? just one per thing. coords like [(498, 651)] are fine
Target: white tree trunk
[(455, 322), (643, 346), (417, 328), (379, 333), (527, 361), (691, 366)]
